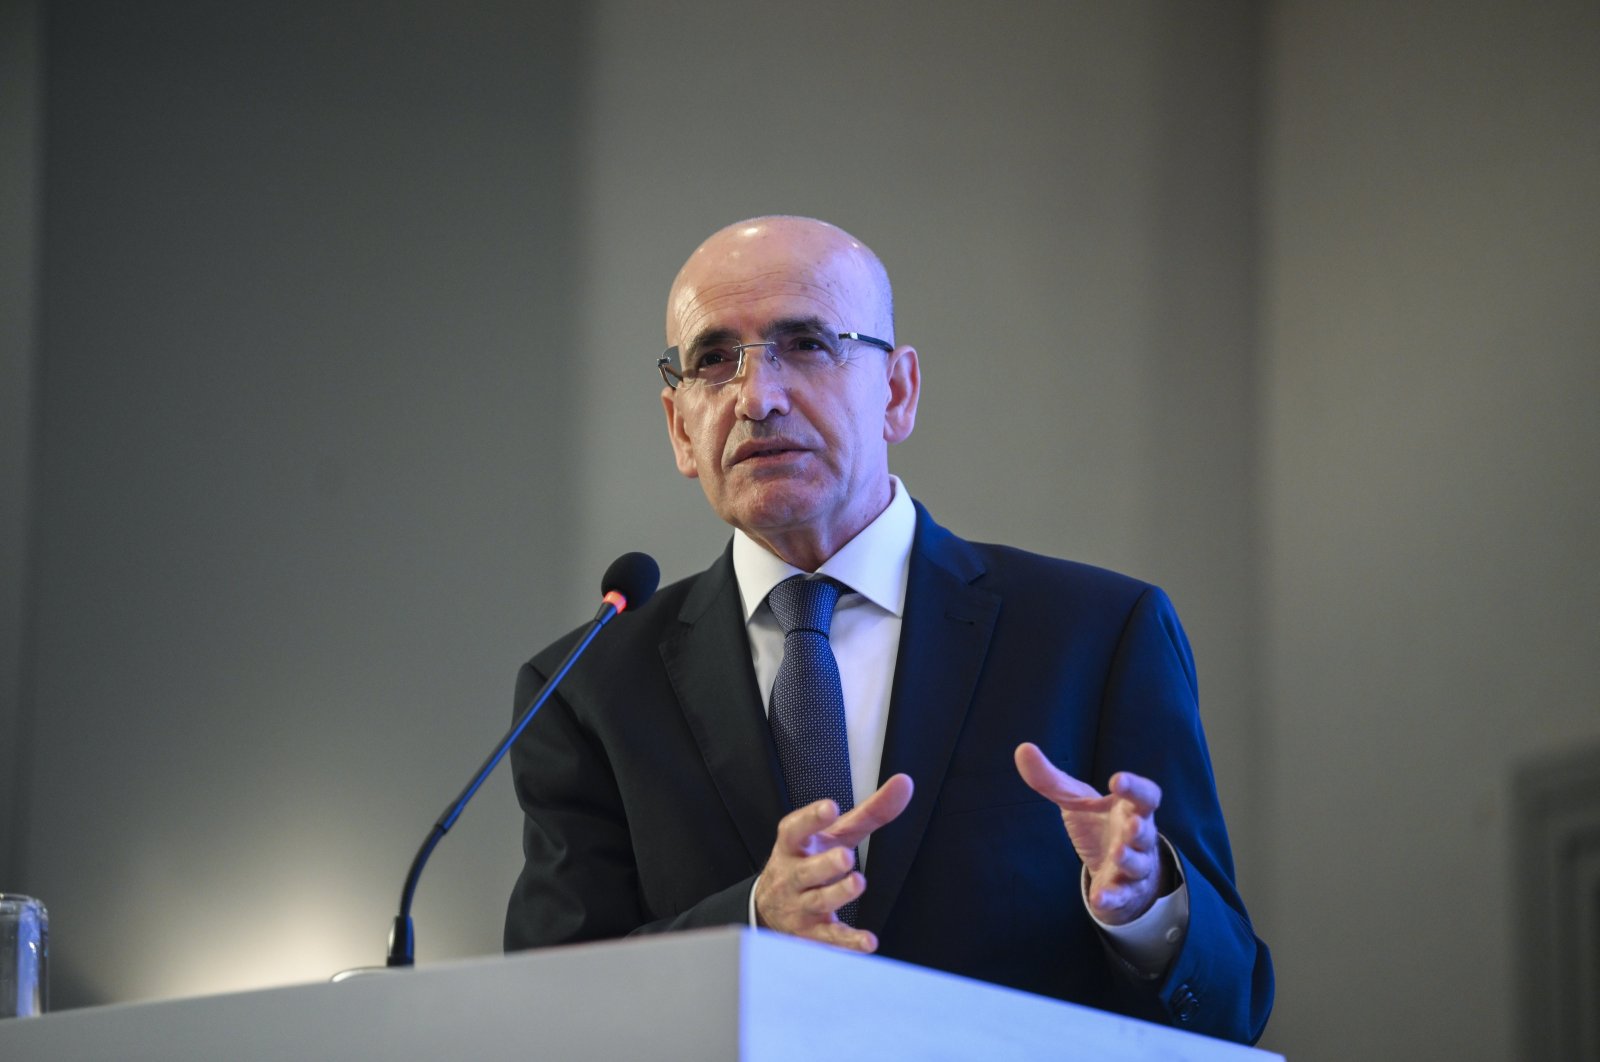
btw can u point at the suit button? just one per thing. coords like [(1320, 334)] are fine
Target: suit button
[(1184, 1003)]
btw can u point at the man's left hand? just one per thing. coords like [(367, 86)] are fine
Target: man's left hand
[(1114, 834)]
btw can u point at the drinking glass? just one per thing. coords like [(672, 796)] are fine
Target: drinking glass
[(24, 956)]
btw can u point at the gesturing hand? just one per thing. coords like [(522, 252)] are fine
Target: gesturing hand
[(1114, 834), (810, 874)]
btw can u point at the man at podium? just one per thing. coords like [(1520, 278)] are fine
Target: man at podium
[(859, 728)]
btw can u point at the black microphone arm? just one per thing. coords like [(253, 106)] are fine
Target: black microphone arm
[(628, 583)]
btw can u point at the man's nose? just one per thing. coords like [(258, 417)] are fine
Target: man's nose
[(761, 391)]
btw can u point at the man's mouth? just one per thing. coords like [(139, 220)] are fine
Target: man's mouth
[(765, 450)]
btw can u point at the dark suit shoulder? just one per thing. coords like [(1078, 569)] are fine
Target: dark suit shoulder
[(1021, 575), (1015, 564)]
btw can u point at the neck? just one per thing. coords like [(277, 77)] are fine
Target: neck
[(803, 550)]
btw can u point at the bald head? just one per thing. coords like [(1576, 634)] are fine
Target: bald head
[(792, 255)]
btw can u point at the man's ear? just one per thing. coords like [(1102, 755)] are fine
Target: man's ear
[(905, 385), (678, 433)]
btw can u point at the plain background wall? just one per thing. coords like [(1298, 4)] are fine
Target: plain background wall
[(342, 395), (19, 155), (305, 344), (1432, 449)]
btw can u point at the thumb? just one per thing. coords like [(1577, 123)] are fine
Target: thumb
[(1048, 780)]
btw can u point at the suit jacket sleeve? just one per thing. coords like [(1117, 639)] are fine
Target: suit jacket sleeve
[(1221, 981), (580, 879), (978, 876)]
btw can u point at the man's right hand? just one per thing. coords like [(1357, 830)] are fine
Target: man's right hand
[(811, 872)]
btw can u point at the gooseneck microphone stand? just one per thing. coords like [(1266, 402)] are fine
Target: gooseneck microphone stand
[(629, 582)]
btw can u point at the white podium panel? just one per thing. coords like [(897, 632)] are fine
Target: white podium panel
[(732, 994)]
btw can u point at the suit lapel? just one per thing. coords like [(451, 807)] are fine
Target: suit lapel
[(708, 662), (944, 638)]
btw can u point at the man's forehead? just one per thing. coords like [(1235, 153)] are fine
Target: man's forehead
[(752, 302), (746, 285)]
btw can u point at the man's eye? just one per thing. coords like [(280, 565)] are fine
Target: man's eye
[(711, 358), (807, 346)]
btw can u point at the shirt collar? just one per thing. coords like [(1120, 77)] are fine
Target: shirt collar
[(875, 564)]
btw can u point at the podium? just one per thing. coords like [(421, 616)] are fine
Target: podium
[(731, 993)]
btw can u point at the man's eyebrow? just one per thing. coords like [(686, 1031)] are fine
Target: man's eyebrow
[(790, 325), (710, 337), (783, 326)]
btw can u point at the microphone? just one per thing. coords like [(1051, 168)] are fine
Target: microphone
[(628, 583)]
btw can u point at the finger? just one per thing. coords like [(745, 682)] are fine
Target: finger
[(842, 936), (801, 893), (1127, 827), (1145, 794), (879, 809), (1116, 904), (1130, 865), (825, 868), (1048, 780), (1140, 833), (796, 829), (1115, 899), (825, 901)]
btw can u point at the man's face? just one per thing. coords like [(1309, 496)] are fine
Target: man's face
[(800, 463)]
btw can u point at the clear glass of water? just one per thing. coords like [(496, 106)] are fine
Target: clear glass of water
[(24, 956)]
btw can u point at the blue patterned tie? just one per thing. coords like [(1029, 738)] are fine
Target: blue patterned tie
[(807, 709)]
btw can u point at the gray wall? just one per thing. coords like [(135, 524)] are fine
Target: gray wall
[(19, 157), (305, 345), (1432, 446), (342, 396)]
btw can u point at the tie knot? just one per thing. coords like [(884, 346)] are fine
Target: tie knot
[(802, 604)]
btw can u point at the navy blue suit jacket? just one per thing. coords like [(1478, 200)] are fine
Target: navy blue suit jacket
[(652, 792)]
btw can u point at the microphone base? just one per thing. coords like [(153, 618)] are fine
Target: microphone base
[(402, 942), (361, 971)]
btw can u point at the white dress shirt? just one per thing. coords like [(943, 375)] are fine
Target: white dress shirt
[(874, 568)]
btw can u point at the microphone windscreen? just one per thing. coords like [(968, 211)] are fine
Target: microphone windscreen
[(634, 576)]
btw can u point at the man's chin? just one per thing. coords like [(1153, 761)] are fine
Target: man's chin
[(773, 507)]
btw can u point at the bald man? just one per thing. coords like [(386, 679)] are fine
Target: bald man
[(1030, 799)]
